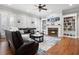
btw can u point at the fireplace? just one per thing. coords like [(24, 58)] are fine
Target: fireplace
[(53, 32)]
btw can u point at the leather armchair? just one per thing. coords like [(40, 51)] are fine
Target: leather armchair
[(19, 46)]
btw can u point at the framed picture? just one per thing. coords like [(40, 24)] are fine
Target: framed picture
[(53, 19)]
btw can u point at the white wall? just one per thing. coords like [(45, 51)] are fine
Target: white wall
[(10, 19), (78, 26), (21, 19), (4, 22), (0, 26)]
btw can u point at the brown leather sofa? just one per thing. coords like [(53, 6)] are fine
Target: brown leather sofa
[(19, 46)]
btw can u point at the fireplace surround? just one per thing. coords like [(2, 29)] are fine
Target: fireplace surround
[(53, 32), (58, 28)]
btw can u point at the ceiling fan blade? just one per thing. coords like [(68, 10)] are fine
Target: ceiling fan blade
[(43, 8), (44, 5)]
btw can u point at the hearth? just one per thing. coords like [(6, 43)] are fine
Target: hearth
[(53, 32)]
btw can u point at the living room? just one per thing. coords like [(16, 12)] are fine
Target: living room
[(47, 29)]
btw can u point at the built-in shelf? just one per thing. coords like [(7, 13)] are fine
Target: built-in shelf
[(69, 26)]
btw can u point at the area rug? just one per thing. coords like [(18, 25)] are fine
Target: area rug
[(48, 42), (41, 52)]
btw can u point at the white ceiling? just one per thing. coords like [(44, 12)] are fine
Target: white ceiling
[(52, 8)]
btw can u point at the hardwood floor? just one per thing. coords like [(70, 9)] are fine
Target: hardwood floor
[(4, 49), (67, 46)]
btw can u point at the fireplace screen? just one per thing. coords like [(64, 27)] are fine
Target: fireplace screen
[(53, 32)]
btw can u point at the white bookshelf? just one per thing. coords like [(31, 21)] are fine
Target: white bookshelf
[(70, 25)]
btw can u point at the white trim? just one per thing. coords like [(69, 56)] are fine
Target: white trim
[(70, 36), (55, 26), (74, 14)]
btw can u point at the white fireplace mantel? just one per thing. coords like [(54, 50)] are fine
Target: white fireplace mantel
[(55, 26)]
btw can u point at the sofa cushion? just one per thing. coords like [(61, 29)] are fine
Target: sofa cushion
[(26, 37), (21, 31)]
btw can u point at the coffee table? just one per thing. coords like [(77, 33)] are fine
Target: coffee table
[(37, 37)]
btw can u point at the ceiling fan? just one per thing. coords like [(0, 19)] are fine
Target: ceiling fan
[(41, 7)]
